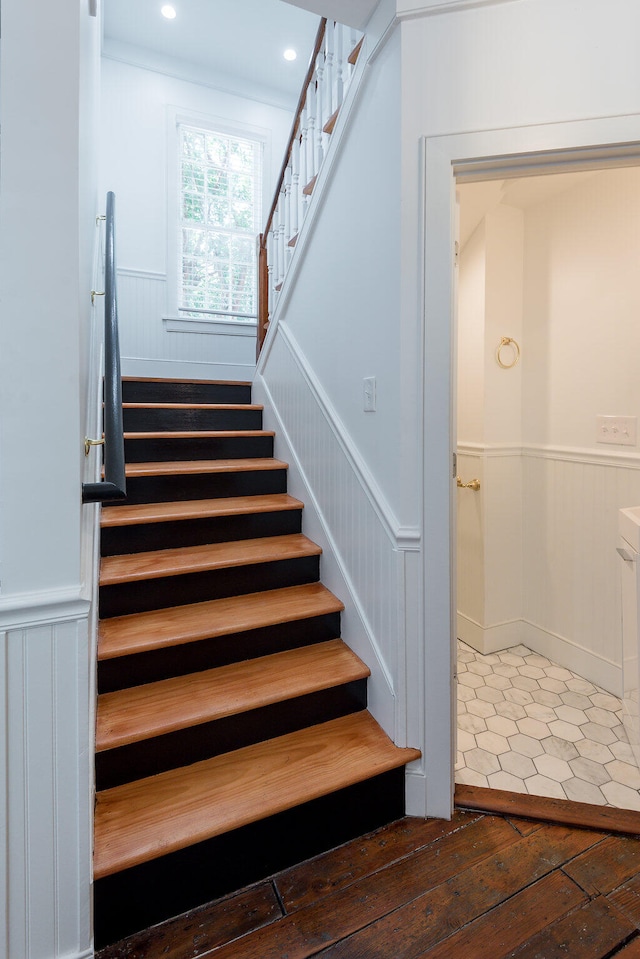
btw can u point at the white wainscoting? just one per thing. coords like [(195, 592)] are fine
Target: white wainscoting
[(563, 548), (364, 559), (45, 685), (149, 348)]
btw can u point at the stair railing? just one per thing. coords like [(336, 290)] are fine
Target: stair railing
[(113, 486), (330, 70)]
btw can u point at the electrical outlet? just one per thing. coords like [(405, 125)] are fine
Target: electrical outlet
[(369, 394), (618, 430)]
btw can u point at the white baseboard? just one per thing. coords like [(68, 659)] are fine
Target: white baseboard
[(415, 793), (591, 666), (489, 639), (598, 670), (186, 369)]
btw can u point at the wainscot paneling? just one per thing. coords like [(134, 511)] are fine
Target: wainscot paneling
[(45, 686), (572, 599), (364, 546), (542, 531), (151, 345)]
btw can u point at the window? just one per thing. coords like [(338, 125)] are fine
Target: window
[(220, 177)]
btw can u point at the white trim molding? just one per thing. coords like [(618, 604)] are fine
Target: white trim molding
[(411, 9), (25, 610), (142, 274), (179, 324), (504, 152)]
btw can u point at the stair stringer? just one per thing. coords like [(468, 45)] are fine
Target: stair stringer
[(322, 461)]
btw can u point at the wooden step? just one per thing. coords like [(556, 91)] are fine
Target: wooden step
[(192, 406), (132, 715), (136, 567), (194, 434), (331, 122), (355, 53), (151, 817), (177, 625), (152, 390), (308, 188), (186, 467), (197, 509)]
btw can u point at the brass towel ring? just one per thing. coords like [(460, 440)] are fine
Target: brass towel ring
[(507, 341)]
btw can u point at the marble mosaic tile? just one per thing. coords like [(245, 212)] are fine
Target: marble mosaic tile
[(526, 724)]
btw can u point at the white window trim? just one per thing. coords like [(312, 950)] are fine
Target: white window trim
[(172, 320)]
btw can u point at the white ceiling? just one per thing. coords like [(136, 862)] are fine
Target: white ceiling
[(478, 199), (234, 44), (354, 13)]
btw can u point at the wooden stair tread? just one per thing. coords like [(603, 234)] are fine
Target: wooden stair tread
[(179, 467), (192, 406), (134, 567), (308, 189), (355, 53), (294, 239), (194, 434), (131, 715), (198, 509), (176, 625), (151, 817), (171, 380), (331, 122)]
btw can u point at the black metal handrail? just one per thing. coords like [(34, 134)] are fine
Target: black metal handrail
[(113, 486)]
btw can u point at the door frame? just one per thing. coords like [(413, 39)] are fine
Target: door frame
[(445, 161)]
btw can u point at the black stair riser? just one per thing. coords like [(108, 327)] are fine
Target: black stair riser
[(138, 597), (165, 391), (152, 892), (186, 746), (149, 667), (115, 540), (162, 489), (143, 420), (165, 449)]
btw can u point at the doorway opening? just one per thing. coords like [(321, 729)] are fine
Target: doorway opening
[(547, 336)]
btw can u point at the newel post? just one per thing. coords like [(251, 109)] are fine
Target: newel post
[(263, 293)]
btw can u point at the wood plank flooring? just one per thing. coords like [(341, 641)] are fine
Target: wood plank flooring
[(482, 886)]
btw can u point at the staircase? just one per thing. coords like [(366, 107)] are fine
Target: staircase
[(232, 736)]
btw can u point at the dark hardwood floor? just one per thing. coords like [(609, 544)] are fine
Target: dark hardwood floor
[(482, 886)]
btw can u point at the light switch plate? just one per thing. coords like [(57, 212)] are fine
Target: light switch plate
[(369, 394), (617, 430)]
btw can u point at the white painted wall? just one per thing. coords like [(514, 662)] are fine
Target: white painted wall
[(136, 107), (47, 211)]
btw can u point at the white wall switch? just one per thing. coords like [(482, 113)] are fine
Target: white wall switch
[(619, 430), (369, 394)]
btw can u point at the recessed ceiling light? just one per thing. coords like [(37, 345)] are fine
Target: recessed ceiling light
[(290, 54), (168, 11)]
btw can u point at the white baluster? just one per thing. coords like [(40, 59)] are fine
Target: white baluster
[(340, 66), (295, 186), (311, 129), (329, 42), (282, 256), (271, 266), (353, 41), (287, 212), (305, 176), (320, 117)]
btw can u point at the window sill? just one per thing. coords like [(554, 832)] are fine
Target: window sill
[(178, 324)]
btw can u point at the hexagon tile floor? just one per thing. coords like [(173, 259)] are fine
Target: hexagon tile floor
[(527, 725)]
